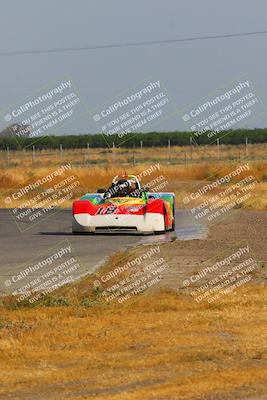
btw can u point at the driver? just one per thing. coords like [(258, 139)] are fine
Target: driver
[(123, 188)]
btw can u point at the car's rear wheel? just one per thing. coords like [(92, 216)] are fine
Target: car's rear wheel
[(173, 221)]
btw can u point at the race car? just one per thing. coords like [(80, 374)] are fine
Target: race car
[(124, 206)]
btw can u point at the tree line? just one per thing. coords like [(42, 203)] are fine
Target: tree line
[(156, 139)]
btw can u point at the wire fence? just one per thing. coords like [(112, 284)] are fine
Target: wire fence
[(169, 154)]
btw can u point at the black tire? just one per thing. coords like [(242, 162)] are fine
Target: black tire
[(173, 210)]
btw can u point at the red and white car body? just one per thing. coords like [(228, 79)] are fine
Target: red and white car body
[(146, 213)]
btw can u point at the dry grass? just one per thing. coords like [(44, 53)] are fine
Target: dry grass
[(164, 346), (158, 345), (180, 178)]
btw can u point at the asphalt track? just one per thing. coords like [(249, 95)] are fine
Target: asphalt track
[(19, 246)]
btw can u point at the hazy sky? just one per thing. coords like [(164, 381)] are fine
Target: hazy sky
[(190, 70)]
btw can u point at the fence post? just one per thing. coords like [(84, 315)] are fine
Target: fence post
[(191, 149), (8, 156), (113, 151), (141, 144), (218, 148), (246, 147), (88, 148), (134, 154), (169, 150), (61, 152), (33, 154)]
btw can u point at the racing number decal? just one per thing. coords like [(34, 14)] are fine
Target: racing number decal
[(107, 210)]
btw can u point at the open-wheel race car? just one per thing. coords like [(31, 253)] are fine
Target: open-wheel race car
[(124, 206)]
